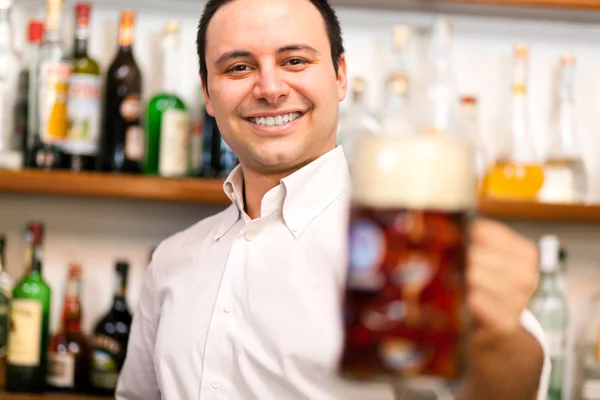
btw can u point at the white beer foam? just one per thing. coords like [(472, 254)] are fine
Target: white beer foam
[(427, 171)]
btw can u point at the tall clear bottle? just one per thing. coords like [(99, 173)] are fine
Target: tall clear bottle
[(549, 306), (35, 36), (48, 99), (6, 284), (84, 100), (168, 119), (10, 157), (517, 174), (357, 120), (565, 177), (122, 138), (29, 319), (439, 113), (394, 116)]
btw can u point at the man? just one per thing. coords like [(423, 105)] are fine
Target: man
[(245, 305)]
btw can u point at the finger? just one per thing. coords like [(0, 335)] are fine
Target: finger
[(495, 235), (504, 291), (489, 313)]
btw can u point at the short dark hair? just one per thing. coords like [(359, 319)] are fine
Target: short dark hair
[(332, 24)]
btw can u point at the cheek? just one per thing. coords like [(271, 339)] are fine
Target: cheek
[(229, 96)]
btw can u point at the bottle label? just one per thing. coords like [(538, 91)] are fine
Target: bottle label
[(84, 114), (196, 144), (54, 84), (555, 340), (174, 143), (61, 370), (4, 301), (131, 108), (134, 143), (105, 368), (25, 338)]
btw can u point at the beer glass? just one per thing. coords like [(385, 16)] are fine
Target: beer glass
[(405, 319)]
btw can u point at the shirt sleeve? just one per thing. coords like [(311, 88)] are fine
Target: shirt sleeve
[(529, 322), (137, 380)]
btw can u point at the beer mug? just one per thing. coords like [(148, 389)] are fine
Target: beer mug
[(405, 314)]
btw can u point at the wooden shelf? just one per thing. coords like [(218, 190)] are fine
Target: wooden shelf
[(59, 396), (563, 4), (100, 185), (531, 211)]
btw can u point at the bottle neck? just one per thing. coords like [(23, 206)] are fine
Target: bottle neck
[(81, 41), (119, 299), (565, 113), (548, 284), (170, 68), (2, 256), (520, 146), (36, 258)]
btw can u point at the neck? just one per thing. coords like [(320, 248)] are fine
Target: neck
[(258, 183)]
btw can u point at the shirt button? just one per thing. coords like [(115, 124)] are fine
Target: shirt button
[(227, 309), (249, 236), (215, 384)]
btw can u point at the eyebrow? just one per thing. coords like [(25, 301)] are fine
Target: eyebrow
[(244, 54)]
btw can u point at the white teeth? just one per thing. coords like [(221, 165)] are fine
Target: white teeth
[(278, 120)]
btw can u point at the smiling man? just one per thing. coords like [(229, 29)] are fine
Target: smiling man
[(246, 304)]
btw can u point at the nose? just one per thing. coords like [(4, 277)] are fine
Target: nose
[(270, 86)]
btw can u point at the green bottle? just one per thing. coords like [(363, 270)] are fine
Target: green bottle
[(84, 99), (29, 319), (549, 306), (167, 117)]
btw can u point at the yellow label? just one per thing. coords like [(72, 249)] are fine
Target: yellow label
[(24, 339)]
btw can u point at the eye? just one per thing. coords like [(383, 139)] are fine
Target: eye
[(239, 68), (296, 62)]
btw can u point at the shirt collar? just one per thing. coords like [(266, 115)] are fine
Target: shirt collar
[(302, 195)]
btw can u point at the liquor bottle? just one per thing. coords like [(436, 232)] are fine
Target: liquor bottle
[(197, 116), (468, 128), (29, 319), (10, 157), (122, 138), (168, 121), (589, 353), (516, 174), (440, 111), (110, 338), (549, 306), (50, 130), (69, 353), (35, 36), (6, 283), (395, 113), (84, 102), (565, 178), (218, 160), (357, 121)]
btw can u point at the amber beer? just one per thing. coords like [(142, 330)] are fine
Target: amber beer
[(404, 305)]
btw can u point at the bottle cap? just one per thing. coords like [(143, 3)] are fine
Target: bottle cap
[(521, 50), (83, 9), (36, 232), (549, 246)]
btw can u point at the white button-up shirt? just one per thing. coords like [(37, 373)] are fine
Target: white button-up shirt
[(241, 309)]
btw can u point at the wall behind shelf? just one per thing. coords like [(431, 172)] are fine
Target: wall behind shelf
[(95, 232)]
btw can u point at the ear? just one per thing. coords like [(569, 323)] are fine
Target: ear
[(342, 78), (209, 107)]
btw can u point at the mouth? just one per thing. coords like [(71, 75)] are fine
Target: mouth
[(276, 121)]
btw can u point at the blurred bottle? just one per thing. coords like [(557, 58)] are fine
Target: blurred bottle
[(49, 99), (440, 110), (6, 284), (10, 156), (198, 119), (22, 113), (565, 178), (589, 351), (394, 115), (549, 306), (516, 174), (122, 138), (468, 128), (357, 121), (29, 320), (69, 354), (218, 160), (85, 88), (111, 336), (168, 119)]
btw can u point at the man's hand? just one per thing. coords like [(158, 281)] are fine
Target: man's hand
[(504, 360), (502, 274)]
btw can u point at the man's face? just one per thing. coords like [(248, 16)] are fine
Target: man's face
[(271, 83)]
